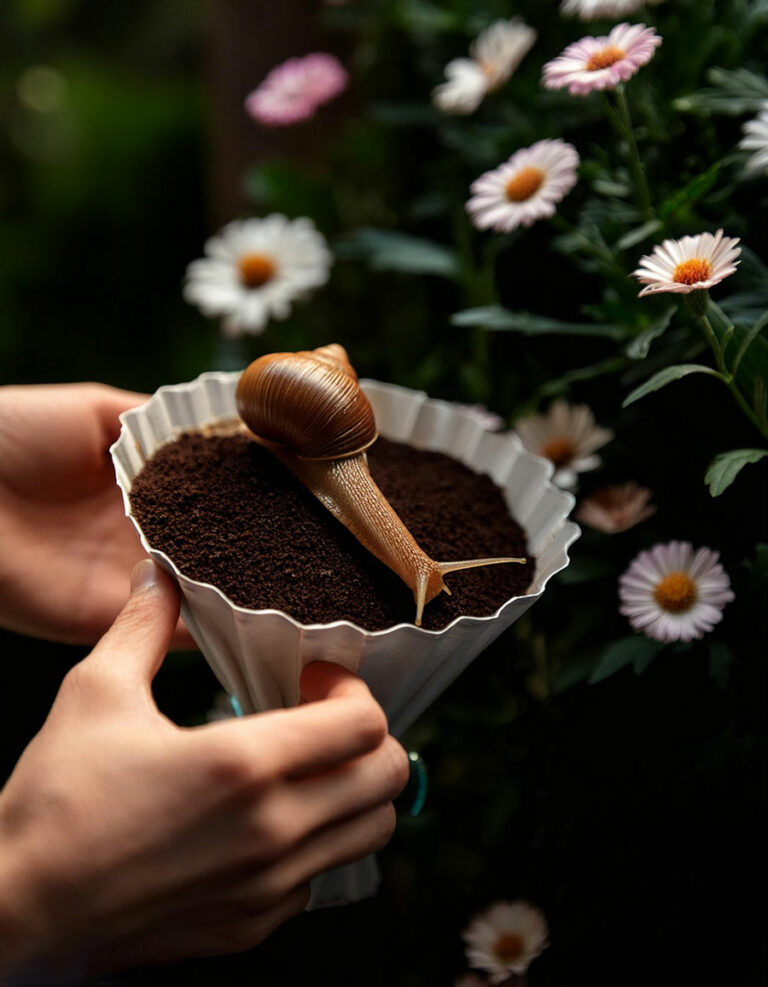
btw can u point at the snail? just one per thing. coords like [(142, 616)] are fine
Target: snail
[(309, 410)]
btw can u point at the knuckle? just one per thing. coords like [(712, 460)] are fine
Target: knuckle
[(369, 723), (86, 683), (271, 835), (231, 771)]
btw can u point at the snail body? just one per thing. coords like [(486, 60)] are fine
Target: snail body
[(310, 411)]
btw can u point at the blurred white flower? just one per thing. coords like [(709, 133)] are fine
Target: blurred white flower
[(505, 939), (756, 139), (671, 594), (693, 263), (255, 269), (592, 10), (616, 508), (567, 436), (525, 188), (601, 63), (495, 54)]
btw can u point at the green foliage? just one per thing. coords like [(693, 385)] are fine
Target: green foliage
[(388, 251), (723, 469), (638, 651), (667, 376)]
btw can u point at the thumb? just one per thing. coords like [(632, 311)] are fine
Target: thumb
[(137, 642)]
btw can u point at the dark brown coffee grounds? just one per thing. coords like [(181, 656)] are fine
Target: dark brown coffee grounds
[(228, 513)]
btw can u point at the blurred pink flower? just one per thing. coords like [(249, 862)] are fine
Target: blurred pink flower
[(671, 594), (601, 63), (616, 508), (293, 91)]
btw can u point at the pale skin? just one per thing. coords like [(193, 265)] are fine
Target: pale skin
[(67, 549), (127, 840)]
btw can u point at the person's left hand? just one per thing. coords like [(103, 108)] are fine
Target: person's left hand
[(66, 547)]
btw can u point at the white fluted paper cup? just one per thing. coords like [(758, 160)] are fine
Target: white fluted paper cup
[(258, 655)]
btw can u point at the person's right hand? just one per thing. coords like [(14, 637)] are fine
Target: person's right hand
[(127, 840)]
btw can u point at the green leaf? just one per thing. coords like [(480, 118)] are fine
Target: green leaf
[(733, 93), (723, 469), (500, 319), (691, 192), (720, 660), (387, 250), (666, 376), (638, 348), (638, 235), (637, 650)]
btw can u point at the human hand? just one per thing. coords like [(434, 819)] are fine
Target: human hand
[(67, 547), (127, 840)]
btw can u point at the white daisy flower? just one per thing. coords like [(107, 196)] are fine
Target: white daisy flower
[(567, 436), (592, 10), (616, 508), (505, 939), (693, 263), (671, 594), (495, 54), (756, 139), (525, 188), (255, 269)]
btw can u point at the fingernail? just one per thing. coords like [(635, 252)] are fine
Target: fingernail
[(144, 576)]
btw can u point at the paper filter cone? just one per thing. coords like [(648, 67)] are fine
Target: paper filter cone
[(258, 655)]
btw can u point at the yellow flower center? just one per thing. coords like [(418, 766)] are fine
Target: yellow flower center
[(524, 183), (604, 58), (558, 450), (509, 947), (256, 269), (676, 592), (692, 271)]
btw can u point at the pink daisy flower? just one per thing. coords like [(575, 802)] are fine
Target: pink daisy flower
[(601, 63), (293, 91), (525, 188), (671, 593)]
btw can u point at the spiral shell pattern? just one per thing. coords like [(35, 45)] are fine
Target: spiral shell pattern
[(309, 402)]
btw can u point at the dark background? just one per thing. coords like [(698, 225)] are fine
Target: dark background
[(632, 812)]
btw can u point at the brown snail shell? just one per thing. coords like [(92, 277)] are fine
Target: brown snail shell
[(309, 410), (308, 401)]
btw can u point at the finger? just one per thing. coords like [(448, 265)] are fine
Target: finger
[(110, 404), (137, 642), (307, 739), (182, 639), (375, 779), (346, 841), (324, 679)]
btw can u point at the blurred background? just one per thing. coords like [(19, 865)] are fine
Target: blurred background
[(632, 810)]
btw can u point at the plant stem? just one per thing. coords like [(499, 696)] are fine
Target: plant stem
[(728, 379), (624, 119)]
